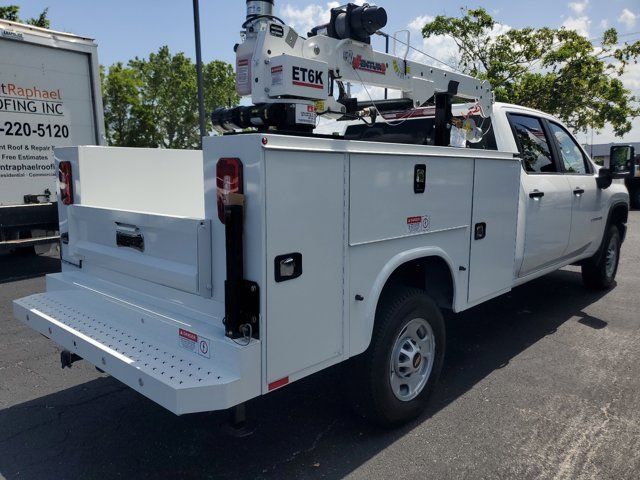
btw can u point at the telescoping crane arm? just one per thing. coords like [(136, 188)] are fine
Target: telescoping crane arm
[(292, 79)]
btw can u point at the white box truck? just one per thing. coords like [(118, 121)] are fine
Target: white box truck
[(49, 97)]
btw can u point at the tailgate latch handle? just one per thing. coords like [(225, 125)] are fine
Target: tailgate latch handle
[(129, 236)]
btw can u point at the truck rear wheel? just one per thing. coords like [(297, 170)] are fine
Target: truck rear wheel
[(391, 382), (599, 271)]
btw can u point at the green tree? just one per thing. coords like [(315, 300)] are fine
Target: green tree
[(12, 13), (558, 71), (153, 102), (121, 88)]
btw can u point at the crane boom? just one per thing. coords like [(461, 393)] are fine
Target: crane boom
[(292, 79)]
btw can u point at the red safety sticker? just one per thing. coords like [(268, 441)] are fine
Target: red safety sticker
[(418, 224), (188, 335), (195, 343)]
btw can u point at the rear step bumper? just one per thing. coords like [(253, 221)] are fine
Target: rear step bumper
[(144, 349)]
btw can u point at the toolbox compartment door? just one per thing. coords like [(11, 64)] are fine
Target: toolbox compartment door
[(167, 250), (305, 241), (496, 188)]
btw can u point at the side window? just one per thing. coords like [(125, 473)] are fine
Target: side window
[(570, 153), (533, 144)]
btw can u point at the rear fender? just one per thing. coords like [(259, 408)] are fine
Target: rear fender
[(389, 268)]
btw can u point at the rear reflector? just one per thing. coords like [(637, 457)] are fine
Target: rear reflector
[(278, 383), (228, 180), (65, 182)]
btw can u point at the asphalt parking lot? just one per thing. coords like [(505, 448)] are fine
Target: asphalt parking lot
[(541, 383)]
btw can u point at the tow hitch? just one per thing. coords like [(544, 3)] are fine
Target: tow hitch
[(67, 358)]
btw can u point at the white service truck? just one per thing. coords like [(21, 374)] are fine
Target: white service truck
[(203, 281), (49, 97)]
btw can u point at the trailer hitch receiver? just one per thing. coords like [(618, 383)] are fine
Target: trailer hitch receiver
[(67, 358)]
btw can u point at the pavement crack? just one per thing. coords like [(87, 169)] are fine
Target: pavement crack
[(311, 448), (28, 429), (67, 406), (59, 410)]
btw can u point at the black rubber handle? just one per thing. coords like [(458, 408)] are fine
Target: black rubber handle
[(578, 191), (536, 194), (130, 240)]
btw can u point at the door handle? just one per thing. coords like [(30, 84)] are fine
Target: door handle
[(129, 236), (536, 194), (578, 191)]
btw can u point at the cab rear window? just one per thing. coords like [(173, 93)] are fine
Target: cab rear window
[(418, 131)]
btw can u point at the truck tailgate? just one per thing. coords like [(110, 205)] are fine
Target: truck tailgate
[(167, 250), (182, 364)]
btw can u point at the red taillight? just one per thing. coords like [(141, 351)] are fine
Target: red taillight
[(228, 180), (66, 182)]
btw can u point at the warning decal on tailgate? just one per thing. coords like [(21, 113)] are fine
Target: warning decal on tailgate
[(195, 343), (418, 224)]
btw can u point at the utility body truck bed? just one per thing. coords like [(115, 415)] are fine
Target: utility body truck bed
[(348, 208)]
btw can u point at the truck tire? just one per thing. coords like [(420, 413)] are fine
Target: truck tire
[(635, 198), (390, 383), (599, 271)]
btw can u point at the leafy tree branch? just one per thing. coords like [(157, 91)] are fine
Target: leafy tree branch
[(558, 71), (12, 13), (152, 102)]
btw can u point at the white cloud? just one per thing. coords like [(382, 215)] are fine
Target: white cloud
[(579, 7), (604, 24), (631, 77), (441, 47), (499, 29), (371, 92), (580, 24), (417, 23), (606, 135), (304, 19), (628, 18)]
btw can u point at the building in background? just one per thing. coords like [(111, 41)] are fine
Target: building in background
[(599, 152)]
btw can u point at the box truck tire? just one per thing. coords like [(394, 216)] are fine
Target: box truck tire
[(635, 197), (390, 383)]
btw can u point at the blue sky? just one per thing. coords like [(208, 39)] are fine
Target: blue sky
[(125, 29)]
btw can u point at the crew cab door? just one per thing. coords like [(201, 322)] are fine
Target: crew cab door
[(547, 195), (586, 215)]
